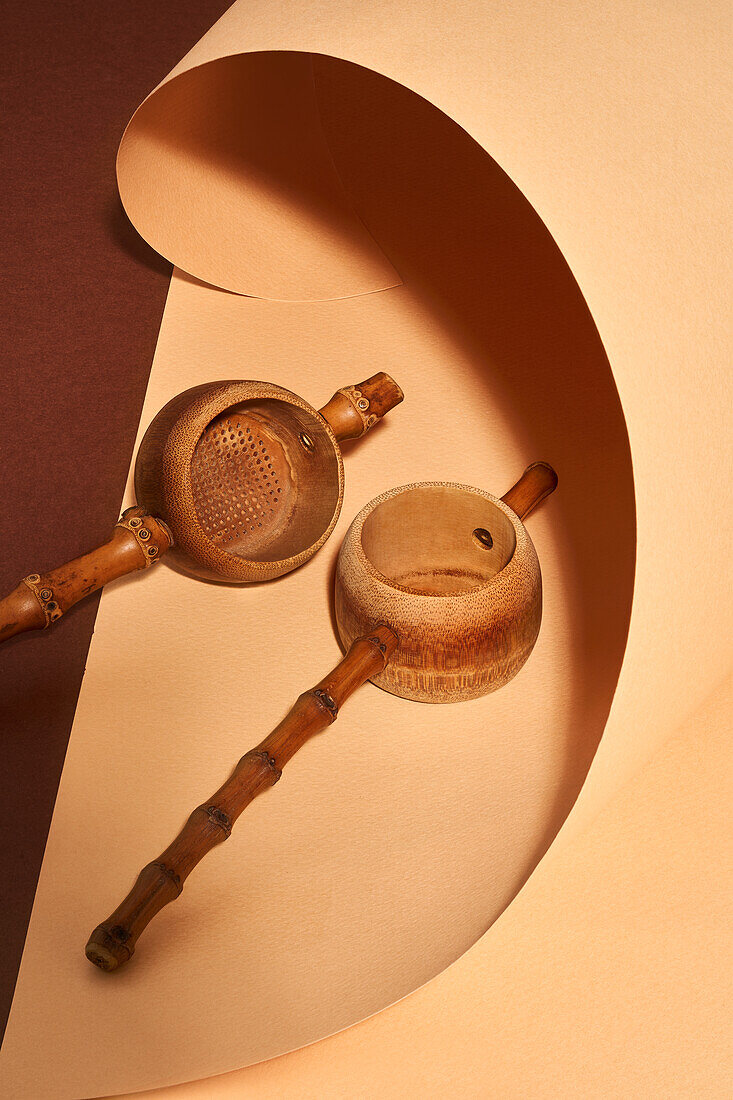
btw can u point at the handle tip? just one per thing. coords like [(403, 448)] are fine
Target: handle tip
[(535, 484), (546, 473), (353, 410), (106, 949), (382, 392)]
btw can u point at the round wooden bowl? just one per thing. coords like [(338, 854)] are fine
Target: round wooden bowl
[(452, 570), (235, 481), (248, 476), (254, 518)]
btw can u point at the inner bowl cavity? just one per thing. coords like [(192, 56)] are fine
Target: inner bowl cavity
[(265, 480), (438, 540)]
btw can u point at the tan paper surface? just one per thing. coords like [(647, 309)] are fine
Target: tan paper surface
[(549, 97), (610, 978), (376, 861)]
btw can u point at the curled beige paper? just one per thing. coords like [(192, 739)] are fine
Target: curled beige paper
[(566, 691), (226, 171), (606, 979)]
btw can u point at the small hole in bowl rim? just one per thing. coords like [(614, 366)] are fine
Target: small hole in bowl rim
[(483, 538)]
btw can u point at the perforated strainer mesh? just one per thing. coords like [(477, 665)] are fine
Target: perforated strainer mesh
[(241, 482)]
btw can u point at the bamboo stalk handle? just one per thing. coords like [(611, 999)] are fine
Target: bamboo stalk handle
[(353, 410), (112, 942), (536, 483), (137, 542)]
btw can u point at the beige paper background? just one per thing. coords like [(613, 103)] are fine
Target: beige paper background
[(608, 978), (397, 840), (623, 243)]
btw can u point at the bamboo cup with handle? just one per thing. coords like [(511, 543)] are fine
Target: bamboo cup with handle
[(235, 482), (438, 598)]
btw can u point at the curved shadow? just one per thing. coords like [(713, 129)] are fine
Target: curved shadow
[(474, 250), (126, 237)]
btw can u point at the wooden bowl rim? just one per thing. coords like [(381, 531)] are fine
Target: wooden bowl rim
[(353, 541), (178, 453)]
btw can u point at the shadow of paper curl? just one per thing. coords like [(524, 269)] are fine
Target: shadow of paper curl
[(476, 252), (225, 171)]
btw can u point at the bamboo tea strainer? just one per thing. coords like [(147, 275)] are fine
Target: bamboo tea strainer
[(235, 482), (438, 598)]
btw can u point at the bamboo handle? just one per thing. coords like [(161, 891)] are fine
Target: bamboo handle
[(353, 410), (536, 483), (137, 541), (112, 942)]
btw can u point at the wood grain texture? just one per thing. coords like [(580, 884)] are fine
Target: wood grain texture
[(353, 410), (137, 542), (535, 484), (180, 470), (113, 941), (249, 476), (453, 572)]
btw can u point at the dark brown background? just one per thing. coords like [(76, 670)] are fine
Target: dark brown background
[(82, 299)]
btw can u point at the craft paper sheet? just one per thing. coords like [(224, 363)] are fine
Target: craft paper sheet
[(363, 873), (393, 875), (576, 989)]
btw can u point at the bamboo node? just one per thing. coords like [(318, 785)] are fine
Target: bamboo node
[(142, 535), (218, 817), (170, 874), (326, 701), (360, 403), (45, 597), (269, 760)]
